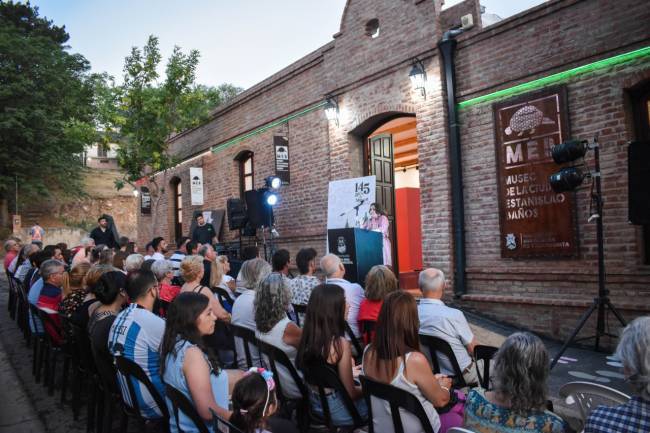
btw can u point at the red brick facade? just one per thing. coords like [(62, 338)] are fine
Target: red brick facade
[(370, 78)]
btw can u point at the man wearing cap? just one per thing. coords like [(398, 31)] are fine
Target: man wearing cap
[(102, 234)]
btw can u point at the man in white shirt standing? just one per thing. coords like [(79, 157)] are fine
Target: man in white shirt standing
[(447, 323), (335, 271)]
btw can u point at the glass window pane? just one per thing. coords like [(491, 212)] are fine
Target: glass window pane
[(248, 183), (248, 166), (180, 216)]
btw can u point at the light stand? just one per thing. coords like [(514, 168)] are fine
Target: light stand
[(602, 301)]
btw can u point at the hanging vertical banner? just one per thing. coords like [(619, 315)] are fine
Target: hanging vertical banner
[(281, 145), (196, 185), (535, 221), (145, 201)]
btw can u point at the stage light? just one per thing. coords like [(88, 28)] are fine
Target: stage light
[(332, 109), (270, 198), (569, 151), (136, 193), (566, 179), (418, 77), (273, 182)]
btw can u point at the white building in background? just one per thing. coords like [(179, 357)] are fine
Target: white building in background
[(101, 156)]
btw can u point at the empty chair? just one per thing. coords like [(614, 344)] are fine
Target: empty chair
[(588, 396), (485, 353)]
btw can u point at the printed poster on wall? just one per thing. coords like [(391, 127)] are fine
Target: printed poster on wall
[(535, 221), (196, 185), (145, 201), (348, 201), (281, 146)]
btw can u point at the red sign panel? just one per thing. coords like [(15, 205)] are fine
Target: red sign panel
[(535, 221)]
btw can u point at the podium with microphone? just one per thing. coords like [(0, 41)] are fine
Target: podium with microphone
[(358, 249)]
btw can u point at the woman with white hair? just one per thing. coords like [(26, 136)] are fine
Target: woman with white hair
[(133, 262), (634, 416), (517, 403), (164, 272)]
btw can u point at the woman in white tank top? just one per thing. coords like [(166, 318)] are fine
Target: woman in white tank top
[(394, 358)]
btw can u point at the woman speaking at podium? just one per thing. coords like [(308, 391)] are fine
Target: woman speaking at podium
[(378, 222)]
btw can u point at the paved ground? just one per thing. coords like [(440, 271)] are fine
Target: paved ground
[(26, 407)]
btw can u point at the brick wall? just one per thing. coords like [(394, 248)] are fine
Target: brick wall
[(370, 78)]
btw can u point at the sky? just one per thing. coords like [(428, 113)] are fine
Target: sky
[(241, 42)]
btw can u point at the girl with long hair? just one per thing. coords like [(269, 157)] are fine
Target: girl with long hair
[(189, 365), (394, 358), (323, 342)]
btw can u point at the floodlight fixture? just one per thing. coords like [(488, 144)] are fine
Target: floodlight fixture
[(273, 182), (569, 151), (566, 179), (271, 198)]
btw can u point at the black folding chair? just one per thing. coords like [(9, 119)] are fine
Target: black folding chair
[(38, 339), (220, 425), (224, 298), (50, 349), (13, 295), (323, 376), (367, 330), (276, 356), (180, 403), (438, 346), (397, 398), (486, 353), (130, 370), (248, 339), (300, 310)]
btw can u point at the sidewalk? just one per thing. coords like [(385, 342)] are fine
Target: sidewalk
[(17, 415)]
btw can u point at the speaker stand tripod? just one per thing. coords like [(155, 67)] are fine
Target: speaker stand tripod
[(602, 302)]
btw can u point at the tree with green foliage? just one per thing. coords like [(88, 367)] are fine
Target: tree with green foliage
[(151, 112), (46, 107)]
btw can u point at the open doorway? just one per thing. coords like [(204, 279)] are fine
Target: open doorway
[(391, 154)]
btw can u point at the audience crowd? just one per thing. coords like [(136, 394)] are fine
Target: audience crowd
[(195, 322)]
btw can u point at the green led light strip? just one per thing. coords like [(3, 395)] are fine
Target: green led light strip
[(560, 76), (240, 138)]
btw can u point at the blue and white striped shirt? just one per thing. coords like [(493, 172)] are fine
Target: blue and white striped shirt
[(136, 334)]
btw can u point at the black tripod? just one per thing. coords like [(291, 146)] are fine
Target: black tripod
[(602, 301)]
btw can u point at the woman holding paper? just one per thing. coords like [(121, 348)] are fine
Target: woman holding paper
[(378, 222)]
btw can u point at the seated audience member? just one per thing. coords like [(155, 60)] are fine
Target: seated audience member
[(110, 292), (83, 252), (380, 281), (23, 263), (323, 342), (247, 253), (133, 263), (74, 289), (192, 248), (192, 273), (394, 358), (253, 272), (136, 334), (634, 416), (517, 401), (33, 281), (12, 249), (227, 282), (280, 262), (177, 257), (448, 324), (272, 300), (254, 402), (335, 271), (83, 312), (148, 248), (52, 273), (209, 256), (159, 246), (302, 285), (121, 254), (164, 272), (191, 367), (65, 252)]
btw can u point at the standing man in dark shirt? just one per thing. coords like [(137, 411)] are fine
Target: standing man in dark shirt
[(204, 233), (102, 234)]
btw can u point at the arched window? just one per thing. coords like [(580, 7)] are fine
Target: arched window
[(177, 197), (246, 172)]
